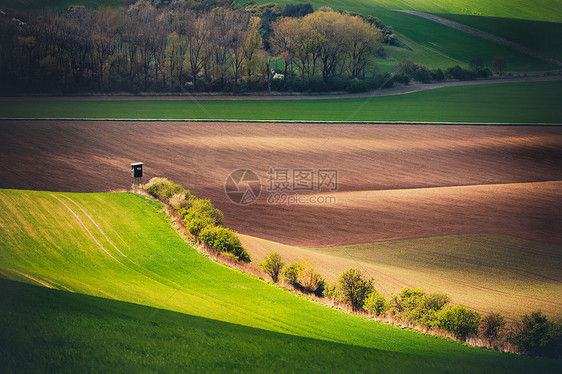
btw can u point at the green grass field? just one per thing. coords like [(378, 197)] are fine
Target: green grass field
[(541, 10), (544, 37), (439, 46), (432, 43), (493, 103), (120, 246)]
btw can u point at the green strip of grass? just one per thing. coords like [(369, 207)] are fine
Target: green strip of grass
[(545, 37), (48, 330), (536, 102)]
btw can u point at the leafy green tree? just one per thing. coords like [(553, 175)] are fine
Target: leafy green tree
[(537, 336), (225, 240), (414, 305), (292, 272), (459, 321), (376, 304), (272, 265), (196, 225), (353, 288)]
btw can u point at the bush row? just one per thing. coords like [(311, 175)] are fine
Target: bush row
[(409, 70), (534, 334), (202, 220)]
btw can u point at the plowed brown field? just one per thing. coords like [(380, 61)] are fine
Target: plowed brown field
[(395, 182)]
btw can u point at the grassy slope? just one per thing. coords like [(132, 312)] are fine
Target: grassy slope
[(77, 333), (436, 45), (510, 102), (432, 43), (486, 272), (541, 10), (43, 239), (545, 37)]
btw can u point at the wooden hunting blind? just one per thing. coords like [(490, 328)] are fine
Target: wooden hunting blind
[(136, 170)]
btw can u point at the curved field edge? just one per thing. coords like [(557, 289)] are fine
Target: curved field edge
[(74, 332), (487, 272), (65, 241), (530, 102)]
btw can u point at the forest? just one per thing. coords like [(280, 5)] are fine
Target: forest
[(187, 47)]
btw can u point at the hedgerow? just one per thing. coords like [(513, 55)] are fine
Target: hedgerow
[(202, 220)]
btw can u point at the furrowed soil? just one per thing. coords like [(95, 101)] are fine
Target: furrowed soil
[(394, 182)]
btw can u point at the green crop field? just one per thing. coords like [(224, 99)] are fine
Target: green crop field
[(428, 38), (541, 10), (121, 246), (489, 103), (544, 37)]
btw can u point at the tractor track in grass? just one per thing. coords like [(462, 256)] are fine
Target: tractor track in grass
[(105, 250)]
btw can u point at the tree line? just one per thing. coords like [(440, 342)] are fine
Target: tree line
[(177, 46), (534, 334)]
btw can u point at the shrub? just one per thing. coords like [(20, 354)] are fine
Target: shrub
[(537, 336), (414, 305), (491, 328), (459, 321), (353, 288), (163, 188), (155, 186), (292, 272), (272, 265), (401, 78), (203, 209), (438, 75), (459, 73), (196, 225), (309, 280), (224, 240), (376, 304)]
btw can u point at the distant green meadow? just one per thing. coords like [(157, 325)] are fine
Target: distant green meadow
[(121, 246), (537, 102), (439, 46)]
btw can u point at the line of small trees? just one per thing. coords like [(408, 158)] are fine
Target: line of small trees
[(201, 219), (408, 70), (534, 334), (182, 46)]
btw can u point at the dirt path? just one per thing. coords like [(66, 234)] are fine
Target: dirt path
[(398, 90), (485, 35)]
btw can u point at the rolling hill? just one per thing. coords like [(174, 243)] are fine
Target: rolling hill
[(490, 273), (121, 246)]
